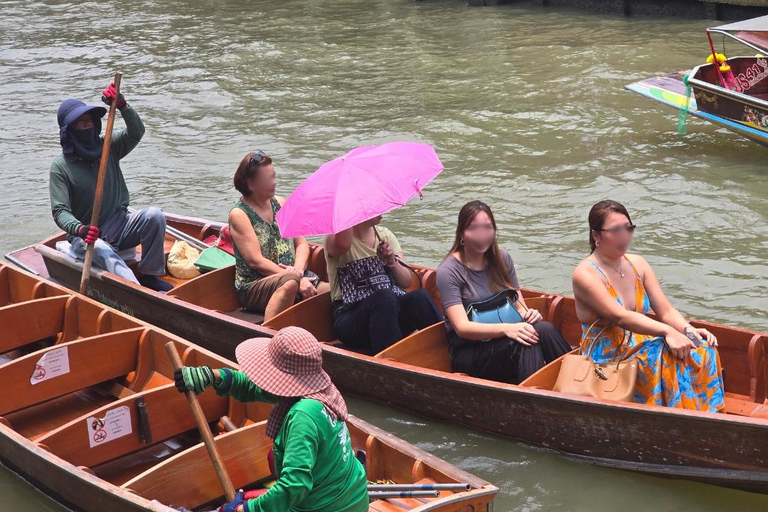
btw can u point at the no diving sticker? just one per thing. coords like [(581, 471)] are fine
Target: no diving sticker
[(53, 363), (116, 423)]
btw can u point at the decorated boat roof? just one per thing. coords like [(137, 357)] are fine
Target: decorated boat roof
[(752, 32)]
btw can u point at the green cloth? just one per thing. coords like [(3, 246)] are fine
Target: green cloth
[(273, 247), (72, 182), (214, 258), (316, 468)]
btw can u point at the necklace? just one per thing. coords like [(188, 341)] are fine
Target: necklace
[(617, 270)]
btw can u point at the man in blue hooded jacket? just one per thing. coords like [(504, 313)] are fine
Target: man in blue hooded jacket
[(73, 183)]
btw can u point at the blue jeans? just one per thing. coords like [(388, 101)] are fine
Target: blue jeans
[(125, 230)]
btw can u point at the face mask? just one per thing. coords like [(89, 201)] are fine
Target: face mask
[(84, 143), (87, 143)]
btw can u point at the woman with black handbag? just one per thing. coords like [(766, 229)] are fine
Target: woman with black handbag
[(371, 309), (492, 334)]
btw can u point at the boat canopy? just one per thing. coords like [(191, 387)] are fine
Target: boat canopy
[(752, 32)]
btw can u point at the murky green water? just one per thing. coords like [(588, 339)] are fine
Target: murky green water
[(525, 106)]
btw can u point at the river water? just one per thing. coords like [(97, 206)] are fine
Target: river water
[(525, 106)]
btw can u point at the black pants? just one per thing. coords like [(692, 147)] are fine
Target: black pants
[(505, 360), (383, 319)]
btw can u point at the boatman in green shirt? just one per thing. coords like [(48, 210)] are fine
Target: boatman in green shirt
[(73, 184), (315, 467)]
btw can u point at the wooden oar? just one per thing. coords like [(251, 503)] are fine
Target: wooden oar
[(420, 487), (101, 178), (376, 495), (202, 425)]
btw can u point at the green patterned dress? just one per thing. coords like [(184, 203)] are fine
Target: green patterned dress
[(273, 247)]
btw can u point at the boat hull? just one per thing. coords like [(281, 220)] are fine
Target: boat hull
[(708, 102), (709, 448), (712, 448)]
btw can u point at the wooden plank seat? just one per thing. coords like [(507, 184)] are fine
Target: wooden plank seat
[(64, 317), (428, 348), (213, 290), (17, 287), (90, 360), (746, 381), (30, 321), (244, 452), (314, 314), (168, 416)]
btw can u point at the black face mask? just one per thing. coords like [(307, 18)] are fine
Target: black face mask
[(87, 143), (84, 143)]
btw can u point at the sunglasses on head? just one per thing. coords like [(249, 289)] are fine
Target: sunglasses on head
[(257, 157)]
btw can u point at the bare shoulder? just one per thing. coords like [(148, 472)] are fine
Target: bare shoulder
[(582, 270), (280, 200), (640, 263)]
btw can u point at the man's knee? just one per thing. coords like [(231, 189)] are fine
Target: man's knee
[(154, 216)]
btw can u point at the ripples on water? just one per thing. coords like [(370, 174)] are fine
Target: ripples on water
[(525, 105)]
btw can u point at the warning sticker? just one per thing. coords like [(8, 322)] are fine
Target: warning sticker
[(116, 423), (53, 363)]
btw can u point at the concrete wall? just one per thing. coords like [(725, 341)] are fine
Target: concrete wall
[(709, 9)]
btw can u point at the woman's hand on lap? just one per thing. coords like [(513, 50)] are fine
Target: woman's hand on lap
[(679, 344), (522, 333)]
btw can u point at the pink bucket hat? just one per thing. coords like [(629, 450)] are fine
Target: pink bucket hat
[(290, 364)]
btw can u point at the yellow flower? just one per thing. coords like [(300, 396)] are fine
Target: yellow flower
[(720, 58)]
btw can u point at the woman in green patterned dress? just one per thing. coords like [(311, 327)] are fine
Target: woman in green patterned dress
[(270, 271)]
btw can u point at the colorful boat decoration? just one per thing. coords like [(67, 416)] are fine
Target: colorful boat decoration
[(729, 92)]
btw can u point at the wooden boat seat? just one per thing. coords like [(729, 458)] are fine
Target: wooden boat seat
[(30, 321), (317, 261), (213, 290), (16, 287), (168, 416), (427, 348), (244, 452), (93, 360), (314, 314)]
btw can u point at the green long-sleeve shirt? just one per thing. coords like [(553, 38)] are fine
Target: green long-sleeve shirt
[(72, 182), (316, 468)]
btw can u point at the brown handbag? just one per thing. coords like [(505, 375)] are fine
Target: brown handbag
[(614, 380)]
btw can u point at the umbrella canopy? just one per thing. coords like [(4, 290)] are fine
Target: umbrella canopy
[(366, 182)]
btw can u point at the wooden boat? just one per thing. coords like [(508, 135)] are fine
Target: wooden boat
[(91, 415), (415, 375), (736, 100)]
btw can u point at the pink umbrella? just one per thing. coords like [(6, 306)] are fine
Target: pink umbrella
[(364, 183)]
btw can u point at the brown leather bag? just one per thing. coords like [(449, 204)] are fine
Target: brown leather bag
[(614, 380)]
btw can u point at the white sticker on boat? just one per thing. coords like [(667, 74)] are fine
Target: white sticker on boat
[(116, 423), (53, 363)]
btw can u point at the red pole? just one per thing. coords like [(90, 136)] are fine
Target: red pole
[(714, 61)]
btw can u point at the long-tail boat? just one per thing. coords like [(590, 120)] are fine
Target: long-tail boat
[(90, 414), (731, 94), (415, 374)]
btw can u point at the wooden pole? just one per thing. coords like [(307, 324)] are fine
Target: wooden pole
[(202, 425), (101, 178)]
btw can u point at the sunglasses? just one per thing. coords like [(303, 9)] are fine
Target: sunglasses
[(257, 157), (630, 228)]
